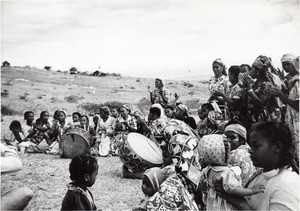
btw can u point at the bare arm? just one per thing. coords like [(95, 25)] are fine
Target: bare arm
[(278, 93), (240, 191)]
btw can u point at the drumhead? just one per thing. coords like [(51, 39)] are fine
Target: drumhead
[(74, 143), (145, 148)]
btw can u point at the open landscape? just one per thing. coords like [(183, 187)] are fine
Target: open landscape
[(35, 89)]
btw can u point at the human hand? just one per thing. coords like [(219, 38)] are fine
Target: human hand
[(273, 91), (258, 188), (176, 96)]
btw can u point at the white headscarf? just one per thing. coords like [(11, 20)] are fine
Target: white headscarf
[(162, 111)]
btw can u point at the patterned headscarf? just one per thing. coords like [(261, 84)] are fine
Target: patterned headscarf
[(238, 129), (262, 62), (138, 114), (62, 110), (183, 108), (160, 80), (214, 149), (127, 108), (219, 61)]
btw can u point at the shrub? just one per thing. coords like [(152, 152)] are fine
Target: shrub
[(144, 104), (94, 107), (189, 85), (5, 110), (72, 99), (192, 104)]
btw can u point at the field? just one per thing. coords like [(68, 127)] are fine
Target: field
[(47, 175)]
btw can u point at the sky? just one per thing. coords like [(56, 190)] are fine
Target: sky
[(147, 38)]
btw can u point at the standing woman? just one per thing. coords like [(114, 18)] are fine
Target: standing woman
[(260, 106), (160, 94), (29, 124), (104, 131), (236, 98), (219, 82), (291, 65)]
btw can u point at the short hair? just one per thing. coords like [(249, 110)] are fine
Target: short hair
[(115, 107), (15, 124), (39, 121), (235, 70), (27, 113), (76, 113), (155, 110), (80, 166), (42, 113), (208, 106)]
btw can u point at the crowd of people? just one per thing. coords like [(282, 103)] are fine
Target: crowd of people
[(243, 153)]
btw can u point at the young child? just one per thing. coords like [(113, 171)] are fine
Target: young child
[(215, 152), (83, 173)]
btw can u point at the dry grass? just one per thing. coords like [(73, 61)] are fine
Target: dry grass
[(47, 176)]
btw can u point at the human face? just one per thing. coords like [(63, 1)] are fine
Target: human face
[(91, 178), (169, 113), (124, 113), (103, 115), (95, 119), (203, 113), (244, 69), (262, 153), (233, 138), (178, 113), (253, 72), (75, 118), (114, 113), (83, 121), (158, 84), (61, 116), (30, 118), (232, 78), (218, 69), (45, 116), (288, 67)]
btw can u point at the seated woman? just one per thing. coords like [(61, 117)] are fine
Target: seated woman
[(15, 136), (29, 123), (104, 132), (58, 128), (142, 127), (210, 119), (181, 113), (156, 125), (76, 119)]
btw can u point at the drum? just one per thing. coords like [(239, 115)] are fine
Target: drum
[(139, 153), (75, 142)]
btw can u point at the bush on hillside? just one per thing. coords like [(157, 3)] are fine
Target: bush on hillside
[(192, 104), (144, 104), (72, 99), (5, 110), (92, 108)]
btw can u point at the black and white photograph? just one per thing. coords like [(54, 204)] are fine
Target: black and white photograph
[(150, 105)]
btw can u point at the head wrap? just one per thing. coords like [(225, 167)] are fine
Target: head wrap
[(238, 129), (215, 106), (287, 58), (219, 61), (215, 117), (162, 111), (138, 114), (212, 149), (183, 108), (156, 176), (262, 62), (160, 80), (62, 110), (105, 109), (126, 107)]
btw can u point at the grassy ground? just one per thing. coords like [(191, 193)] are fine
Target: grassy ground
[(47, 175)]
